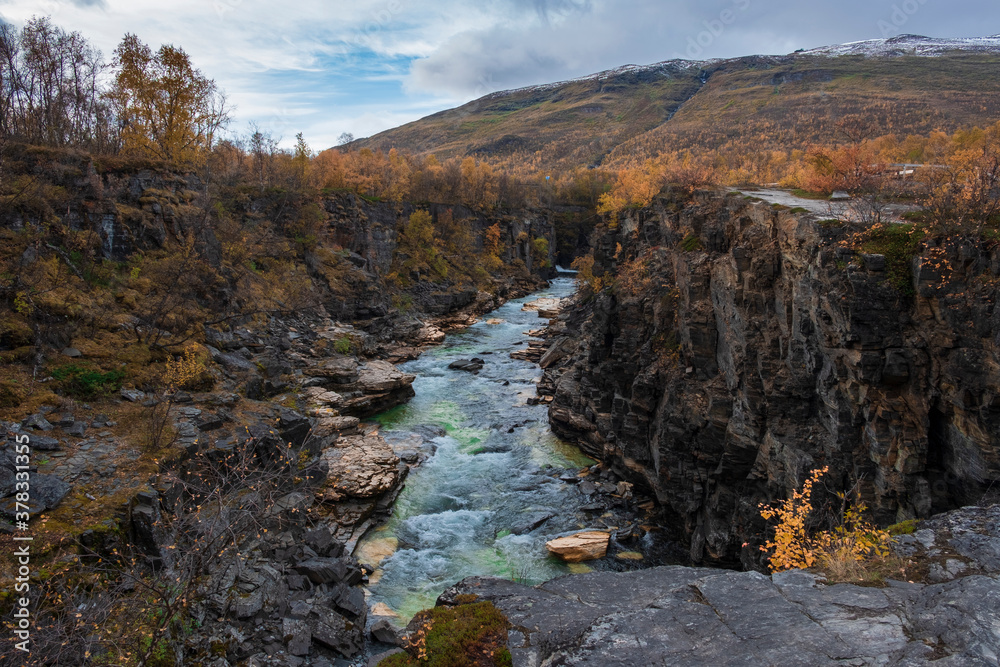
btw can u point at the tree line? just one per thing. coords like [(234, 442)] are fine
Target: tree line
[(57, 90)]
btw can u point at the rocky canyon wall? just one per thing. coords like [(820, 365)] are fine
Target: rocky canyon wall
[(739, 347)]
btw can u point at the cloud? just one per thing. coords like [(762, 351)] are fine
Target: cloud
[(600, 34), (326, 67)]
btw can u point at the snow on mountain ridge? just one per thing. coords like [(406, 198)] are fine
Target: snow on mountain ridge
[(908, 45), (899, 45)]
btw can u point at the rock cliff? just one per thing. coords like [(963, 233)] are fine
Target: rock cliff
[(741, 346)]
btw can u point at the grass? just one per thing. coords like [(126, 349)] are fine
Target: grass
[(470, 635), (806, 194), (899, 244), (86, 383), (691, 243)]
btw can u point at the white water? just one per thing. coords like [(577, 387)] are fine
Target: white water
[(492, 471)]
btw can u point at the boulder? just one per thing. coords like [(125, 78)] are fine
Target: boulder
[(589, 545), (359, 466), (429, 335), (546, 305), (383, 632), (133, 395), (330, 570), (38, 422), (378, 376), (298, 636), (471, 365)]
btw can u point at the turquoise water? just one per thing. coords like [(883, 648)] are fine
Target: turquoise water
[(489, 474)]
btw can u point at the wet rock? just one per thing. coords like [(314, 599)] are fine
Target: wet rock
[(530, 522), (588, 545), (471, 365)]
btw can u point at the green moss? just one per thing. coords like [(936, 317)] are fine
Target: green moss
[(903, 527), (899, 244), (691, 243), (470, 635), (805, 194), (798, 209), (85, 383)]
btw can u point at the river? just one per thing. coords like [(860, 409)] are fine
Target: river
[(469, 508)]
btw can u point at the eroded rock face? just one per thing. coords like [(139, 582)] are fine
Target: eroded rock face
[(719, 377), (358, 389)]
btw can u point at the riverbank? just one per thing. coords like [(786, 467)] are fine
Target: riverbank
[(495, 484)]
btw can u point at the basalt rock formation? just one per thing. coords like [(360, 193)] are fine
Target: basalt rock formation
[(741, 346)]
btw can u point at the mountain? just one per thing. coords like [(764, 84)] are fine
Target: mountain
[(905, 85)]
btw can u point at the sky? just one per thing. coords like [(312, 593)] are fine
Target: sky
[(326, 68)]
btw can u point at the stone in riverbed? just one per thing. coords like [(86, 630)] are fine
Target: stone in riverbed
[(589, 545), (531, 521), (470, 365), (377, 550)]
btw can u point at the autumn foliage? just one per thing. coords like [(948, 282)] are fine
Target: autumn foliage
[(853, 541)]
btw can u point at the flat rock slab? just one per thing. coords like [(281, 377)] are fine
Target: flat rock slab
[(546, 307), (589, 545), (686, 616)]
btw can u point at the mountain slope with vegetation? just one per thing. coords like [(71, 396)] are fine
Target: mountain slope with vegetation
[(747, 104)]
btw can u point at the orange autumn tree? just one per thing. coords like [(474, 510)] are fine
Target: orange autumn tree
[(167, 109), (635, 188)]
